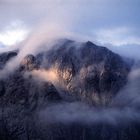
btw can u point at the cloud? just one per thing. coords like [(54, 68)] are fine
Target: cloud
[(13, 34), (84, 114), (40, 39), (117, 36), (122, 40), (46, 75), (129, 96), (80, 15)]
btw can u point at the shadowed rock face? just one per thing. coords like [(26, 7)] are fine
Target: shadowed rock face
[(4, 57), (24, 91), (29, 63), (85, 72)]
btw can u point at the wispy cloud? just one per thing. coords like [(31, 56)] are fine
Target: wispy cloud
[(117, 36)]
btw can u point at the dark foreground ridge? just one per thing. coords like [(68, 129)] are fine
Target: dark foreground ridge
[(86, 73)]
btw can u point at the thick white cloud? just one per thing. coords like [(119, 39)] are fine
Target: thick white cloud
[(14, 33)]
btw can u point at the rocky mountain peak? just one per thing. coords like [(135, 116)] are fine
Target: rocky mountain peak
[(29, 62), (85, 71)]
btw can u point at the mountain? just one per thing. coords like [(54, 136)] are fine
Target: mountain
[(5, 57), (68, 72), (87, 72)]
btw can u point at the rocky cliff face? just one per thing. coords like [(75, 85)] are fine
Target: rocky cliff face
[(88, 72), (85, 72)]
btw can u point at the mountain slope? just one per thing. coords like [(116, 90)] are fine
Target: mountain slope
[(53, 79)]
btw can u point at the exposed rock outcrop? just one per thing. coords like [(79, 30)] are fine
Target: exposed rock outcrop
[(6, 56), (89, 72)]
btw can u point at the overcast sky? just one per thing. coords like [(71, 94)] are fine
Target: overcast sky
[(113, 22)]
